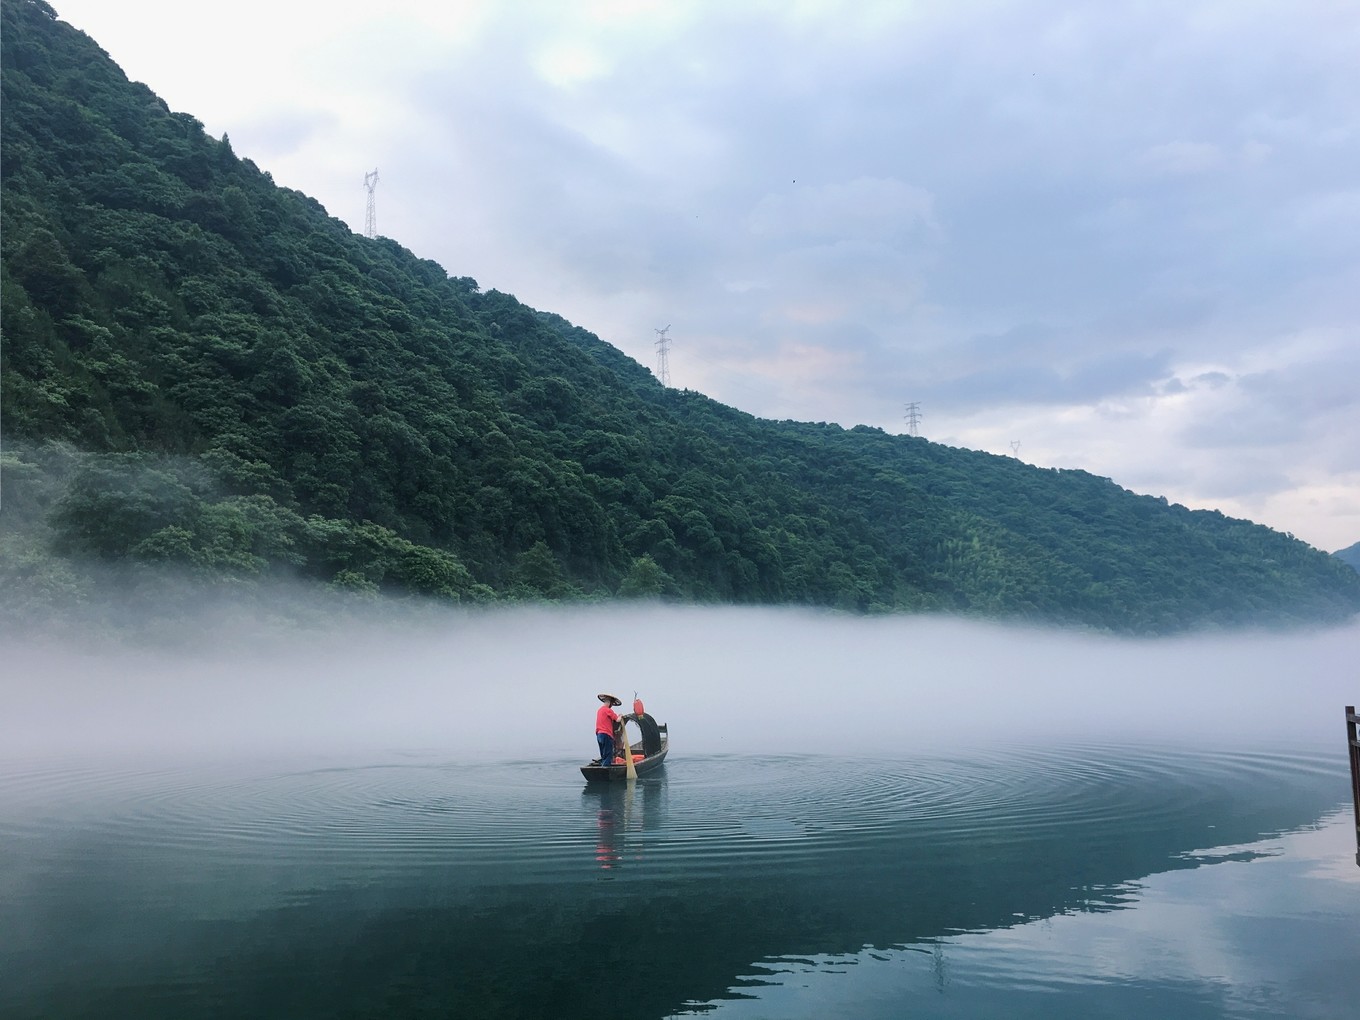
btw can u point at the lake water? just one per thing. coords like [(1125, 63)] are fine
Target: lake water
[(1002, 869)]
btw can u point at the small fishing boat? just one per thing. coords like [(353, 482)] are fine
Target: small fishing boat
[(648, 756)]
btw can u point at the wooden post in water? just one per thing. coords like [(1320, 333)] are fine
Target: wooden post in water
[(1353, 745)]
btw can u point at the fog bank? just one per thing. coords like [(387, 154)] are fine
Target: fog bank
[(725, 680)]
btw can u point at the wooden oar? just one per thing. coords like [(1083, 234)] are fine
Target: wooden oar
[(630, 770)]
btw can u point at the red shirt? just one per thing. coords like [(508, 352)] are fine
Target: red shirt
[(605, 719)]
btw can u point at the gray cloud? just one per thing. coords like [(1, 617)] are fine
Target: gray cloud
[(1027, 381), (1260, 437)]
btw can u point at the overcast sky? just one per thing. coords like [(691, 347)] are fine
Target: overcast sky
[(1123, 237)]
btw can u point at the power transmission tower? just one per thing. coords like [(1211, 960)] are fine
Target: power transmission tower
[(1015, 447), (371, 216), (663, 350), (913, 417)]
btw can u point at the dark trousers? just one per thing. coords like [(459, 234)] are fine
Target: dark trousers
[(606, 743)]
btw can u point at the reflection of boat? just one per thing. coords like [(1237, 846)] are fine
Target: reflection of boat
[(626, 816), (655, 743)]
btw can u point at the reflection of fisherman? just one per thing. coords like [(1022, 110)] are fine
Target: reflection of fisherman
[(606, 841), (606, 721)]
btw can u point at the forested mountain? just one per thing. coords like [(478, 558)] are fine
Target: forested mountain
[(207, 371), (1350, 554)]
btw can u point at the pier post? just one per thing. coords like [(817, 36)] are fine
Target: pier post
[(1353, 746)]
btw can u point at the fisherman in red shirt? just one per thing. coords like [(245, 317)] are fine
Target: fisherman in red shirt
[(606, 719)]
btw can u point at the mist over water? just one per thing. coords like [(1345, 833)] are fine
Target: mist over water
[(859, 816), (749, 681)]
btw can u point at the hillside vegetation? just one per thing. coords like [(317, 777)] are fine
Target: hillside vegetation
[(208, 373), (1350, 555)]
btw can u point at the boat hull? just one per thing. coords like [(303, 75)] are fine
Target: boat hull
[(619, 773)]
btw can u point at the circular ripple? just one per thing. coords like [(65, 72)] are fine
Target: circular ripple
[(709, 813)]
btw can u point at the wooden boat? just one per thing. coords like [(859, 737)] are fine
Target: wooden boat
[(654, 745)]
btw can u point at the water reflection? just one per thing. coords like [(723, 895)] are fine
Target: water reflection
[(624, 812), (607, 847), (1262, 930), (389, 884)]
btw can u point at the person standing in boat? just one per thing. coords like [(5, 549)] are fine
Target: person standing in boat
[(606, 722)]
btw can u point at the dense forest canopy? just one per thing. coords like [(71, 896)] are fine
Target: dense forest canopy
[(1350, 554), (205, 371)]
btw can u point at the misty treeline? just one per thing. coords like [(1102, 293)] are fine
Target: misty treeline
[(210, 375)]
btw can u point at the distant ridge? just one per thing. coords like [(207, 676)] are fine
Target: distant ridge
[(205, 373), (1350, 554)]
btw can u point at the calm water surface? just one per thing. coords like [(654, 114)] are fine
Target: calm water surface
[(1109, 880)]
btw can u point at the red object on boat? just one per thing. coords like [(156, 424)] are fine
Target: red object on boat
[(637, 706)]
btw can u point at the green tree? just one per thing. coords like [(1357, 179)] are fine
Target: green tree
[(645, 579)]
